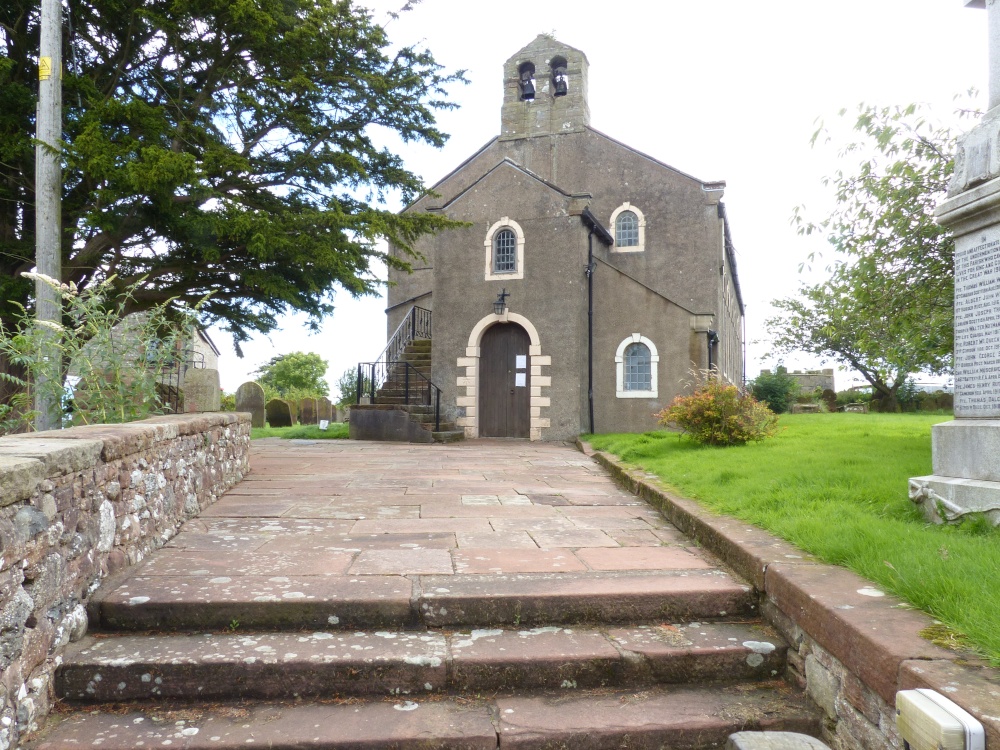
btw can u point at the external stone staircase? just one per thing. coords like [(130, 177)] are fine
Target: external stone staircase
[(396, 394), (211, 645)]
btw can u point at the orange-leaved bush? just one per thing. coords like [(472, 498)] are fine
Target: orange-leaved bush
[(719, 413)]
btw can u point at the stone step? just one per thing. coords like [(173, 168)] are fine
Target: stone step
[(199, 602), (224, 666), (450, 435), (681, 719), (418, 396)]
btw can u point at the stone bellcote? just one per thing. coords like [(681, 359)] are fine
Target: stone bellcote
[(544, 90)]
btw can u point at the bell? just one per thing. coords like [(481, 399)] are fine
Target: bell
[(527, 89), (559, 82)]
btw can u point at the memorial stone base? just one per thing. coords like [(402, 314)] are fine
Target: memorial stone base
[(966, 452), (966, 478)]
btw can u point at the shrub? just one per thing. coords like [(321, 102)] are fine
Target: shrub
[(116, 363), (853, 397), (718, 413), (778, 389)]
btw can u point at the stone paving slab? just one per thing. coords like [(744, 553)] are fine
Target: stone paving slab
[(327, 663), (254, 665), (184, 562), (380, 526), (681, 719), (278, 602), (531, 560), (395, 725), (550, 598)]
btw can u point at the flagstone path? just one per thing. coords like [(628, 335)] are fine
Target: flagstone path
[(471, 579)]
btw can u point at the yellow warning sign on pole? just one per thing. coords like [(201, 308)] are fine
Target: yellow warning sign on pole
[(44, 68)]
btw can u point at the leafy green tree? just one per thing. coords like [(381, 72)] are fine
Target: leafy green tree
[(838, 320), (219, 147), (347, 387), (777, 389), (887, 309), (295, 375)]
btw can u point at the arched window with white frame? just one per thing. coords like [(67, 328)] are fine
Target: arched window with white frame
[(636, 364), (504, 251), (628, 225)]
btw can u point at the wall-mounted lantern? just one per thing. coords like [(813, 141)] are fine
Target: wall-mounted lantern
[(501, 304)]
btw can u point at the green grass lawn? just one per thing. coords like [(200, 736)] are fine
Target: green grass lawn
[(336, 431), (836, 486)]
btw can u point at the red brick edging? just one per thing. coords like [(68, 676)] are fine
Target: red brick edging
[(874, 639)]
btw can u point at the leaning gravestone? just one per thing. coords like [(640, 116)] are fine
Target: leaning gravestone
[(966, 475), (307, 411), (278, 413), (250, 397), (293, 408), (200, 390), (324, 409)]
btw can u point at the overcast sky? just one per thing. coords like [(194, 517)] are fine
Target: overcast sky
[(721, 89)]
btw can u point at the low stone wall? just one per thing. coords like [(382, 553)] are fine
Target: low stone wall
[(851, 647), (78, 505)]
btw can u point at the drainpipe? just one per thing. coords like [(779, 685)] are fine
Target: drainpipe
[(713, 339), (604, 236), (590, 328)]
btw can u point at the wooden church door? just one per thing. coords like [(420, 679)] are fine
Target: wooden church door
[(504, 382)]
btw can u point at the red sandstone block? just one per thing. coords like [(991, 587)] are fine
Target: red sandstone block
[(642, 558), (870, 633), (700, 651), (580, 597), (399, 725), (681, 719), (493, 561), (252, 665), (547, 657), (278, 602)]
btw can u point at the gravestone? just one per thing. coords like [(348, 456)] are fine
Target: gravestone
[(250, 397), (324, 409), (200, 390), (293, 407), (278, 413), (307, 411), (965, 451)]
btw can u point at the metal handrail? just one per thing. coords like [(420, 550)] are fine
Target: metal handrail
[(373, 376), (416, 325)]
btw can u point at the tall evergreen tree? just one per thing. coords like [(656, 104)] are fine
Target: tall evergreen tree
[(228, 147)]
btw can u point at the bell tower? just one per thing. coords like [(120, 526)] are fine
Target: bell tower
[(544, 91)]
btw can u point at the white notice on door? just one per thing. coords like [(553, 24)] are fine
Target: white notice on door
[(520, 379), (522, 362)]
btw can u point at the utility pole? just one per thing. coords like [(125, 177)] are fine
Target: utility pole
[(48, 207)]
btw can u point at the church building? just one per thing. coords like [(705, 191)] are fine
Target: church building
[(591, 280)]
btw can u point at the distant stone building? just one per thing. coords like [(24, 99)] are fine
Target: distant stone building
[(665, 298), (810, 380)]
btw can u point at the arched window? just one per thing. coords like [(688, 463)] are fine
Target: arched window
[(629, 228), (638, 368), (504, 251), (636, 364)]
